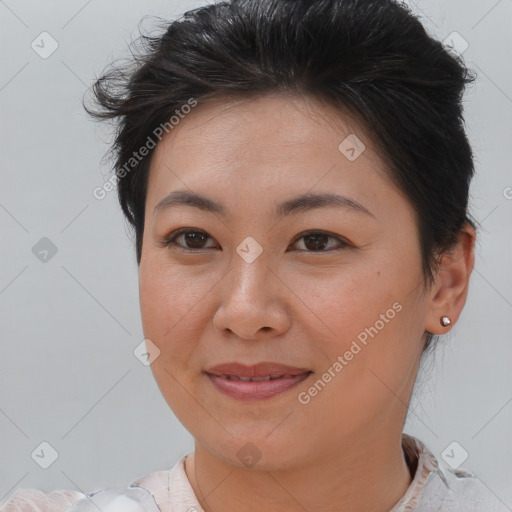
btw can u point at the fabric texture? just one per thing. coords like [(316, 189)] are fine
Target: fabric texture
[(431, 490), (25, 500)]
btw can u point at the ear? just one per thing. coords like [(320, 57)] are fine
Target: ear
[(449, 291)]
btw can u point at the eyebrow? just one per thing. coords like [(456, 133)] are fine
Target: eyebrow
[(299, 204)]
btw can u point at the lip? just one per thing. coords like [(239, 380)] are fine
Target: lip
[(278, 379)]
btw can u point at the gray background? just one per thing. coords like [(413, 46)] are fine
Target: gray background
[(69, 326)]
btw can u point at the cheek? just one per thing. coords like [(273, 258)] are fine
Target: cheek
[(368, 315), (341, 302), (172, 302)]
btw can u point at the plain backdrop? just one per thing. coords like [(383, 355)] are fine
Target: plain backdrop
[(70, 324)]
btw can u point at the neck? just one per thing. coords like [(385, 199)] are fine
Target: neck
[(371, 476)]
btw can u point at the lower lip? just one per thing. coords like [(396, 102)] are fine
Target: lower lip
[(249, 390)]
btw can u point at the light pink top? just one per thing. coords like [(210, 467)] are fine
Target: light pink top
[(431, 490)]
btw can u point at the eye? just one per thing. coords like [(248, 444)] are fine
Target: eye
[(317, 241), (194, 240), (194, 237)]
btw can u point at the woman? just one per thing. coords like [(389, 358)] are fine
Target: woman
[(297, 177)]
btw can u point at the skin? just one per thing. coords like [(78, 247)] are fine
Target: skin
[(294, 305)]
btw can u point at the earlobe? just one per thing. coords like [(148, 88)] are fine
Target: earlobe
[(449, 292)]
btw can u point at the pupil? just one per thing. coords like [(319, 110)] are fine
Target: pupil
[(194, 237), (317, 244)]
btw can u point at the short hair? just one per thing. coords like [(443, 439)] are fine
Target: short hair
[(370, 58)]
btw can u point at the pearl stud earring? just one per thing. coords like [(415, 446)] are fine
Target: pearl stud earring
[(445, 321)]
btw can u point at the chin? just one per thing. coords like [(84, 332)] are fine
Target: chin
[(259, 452)]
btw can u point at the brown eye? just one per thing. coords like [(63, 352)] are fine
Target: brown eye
[(195, 238), (318, 241), (192, 239)]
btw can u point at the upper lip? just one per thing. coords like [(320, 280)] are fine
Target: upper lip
[(257, 370)]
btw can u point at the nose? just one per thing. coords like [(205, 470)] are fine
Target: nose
[(253, 302)]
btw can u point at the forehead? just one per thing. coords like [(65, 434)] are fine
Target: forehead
[(272, 121), (269, 146)]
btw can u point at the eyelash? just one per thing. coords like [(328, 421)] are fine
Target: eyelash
[(171, 240)]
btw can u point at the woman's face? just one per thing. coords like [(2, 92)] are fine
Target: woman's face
[(331, 288)]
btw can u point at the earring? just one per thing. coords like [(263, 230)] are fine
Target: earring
[(445, 321)]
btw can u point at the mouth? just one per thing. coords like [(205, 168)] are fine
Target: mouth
[(260, 381)]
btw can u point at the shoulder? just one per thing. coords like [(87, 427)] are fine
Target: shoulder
[(142, 495), (115, 499), (34, 500), (465, 492), (453, 490), (437, 487), (160, 491)]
